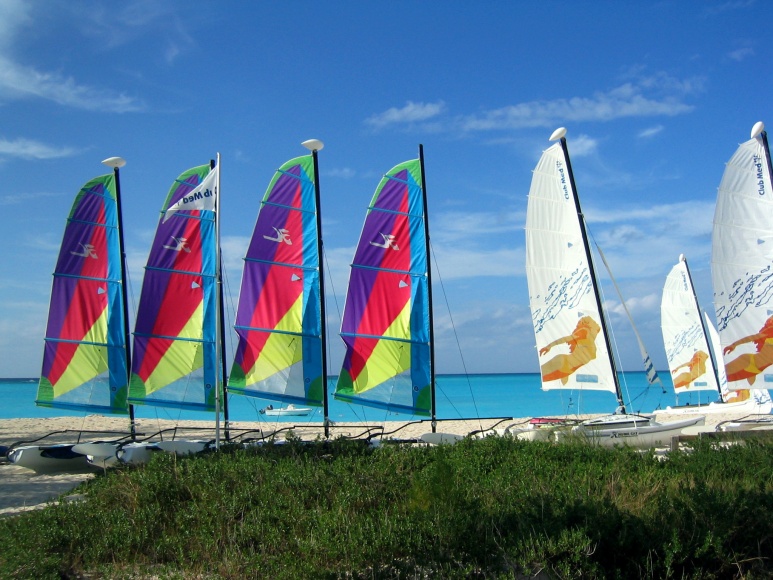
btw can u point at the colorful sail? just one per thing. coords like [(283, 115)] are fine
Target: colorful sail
[(742, 266), (175, 360), (278, 321), (84, 362), (568, 324), (386, 324), (687, 348)]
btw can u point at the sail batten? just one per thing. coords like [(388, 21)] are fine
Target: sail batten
[(84, 355), (386, 322)]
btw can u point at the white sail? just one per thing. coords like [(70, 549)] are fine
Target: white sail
[(649, 367), (568, 327), (572, 342), (687, 348), (716, 347), (742, 267)]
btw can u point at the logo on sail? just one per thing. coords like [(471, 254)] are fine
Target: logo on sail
[(389, 242), (88, 251), (182, 245), (282, 235), (564, 187), (757, 162)]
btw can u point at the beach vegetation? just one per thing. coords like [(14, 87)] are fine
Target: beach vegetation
[(485, 508)]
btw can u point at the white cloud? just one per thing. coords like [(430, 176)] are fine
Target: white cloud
[(656, 95), (29, 149), (410, 113), (730, 6), (341, 172), (460, 263), (456, 228), (650, 132), (14, 14), (583, 145), (17, 198), (741, 54), (18, 81)]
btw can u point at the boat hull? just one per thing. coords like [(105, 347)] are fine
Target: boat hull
[(749, 406), (630, 431), (137, 453), (287, 412), (49, 458)]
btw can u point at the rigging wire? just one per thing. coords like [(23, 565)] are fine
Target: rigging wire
[(456, 337), (621, 375)]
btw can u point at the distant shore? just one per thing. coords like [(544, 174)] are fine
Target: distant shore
[(22, 489)]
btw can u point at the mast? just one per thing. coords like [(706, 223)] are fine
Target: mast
[(218, 308), (116, 163), (703, 328), (315, 145), (221, 314), (429, 289), (561, 135)]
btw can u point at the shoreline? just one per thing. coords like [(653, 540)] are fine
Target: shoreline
[(22, 489)]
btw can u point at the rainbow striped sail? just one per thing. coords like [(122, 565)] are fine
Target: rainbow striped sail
[(84, 362), (175, 356), (386, 323), (278, 321)]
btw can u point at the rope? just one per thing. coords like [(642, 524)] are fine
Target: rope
[(456, 337)]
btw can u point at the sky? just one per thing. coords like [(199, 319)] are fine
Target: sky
[(655, 97)]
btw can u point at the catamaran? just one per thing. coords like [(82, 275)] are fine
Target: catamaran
[(694, 354), (741, 270), (387, 323), (281, 354), (178, 353), (86, 355), (571, 333)]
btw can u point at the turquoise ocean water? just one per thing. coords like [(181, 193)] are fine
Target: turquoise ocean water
[(458, 396)]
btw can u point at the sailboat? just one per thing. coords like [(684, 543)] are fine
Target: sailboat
[(571, 333), (177, 359), (741, 267), (86, 354), (694, 357), (387, 322), (279, 320)]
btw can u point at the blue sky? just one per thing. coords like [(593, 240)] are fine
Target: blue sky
[(655, 97)]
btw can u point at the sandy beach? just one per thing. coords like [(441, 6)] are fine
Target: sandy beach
[(22, 489)]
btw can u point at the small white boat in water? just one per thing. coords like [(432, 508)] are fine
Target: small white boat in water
[(288, 411)]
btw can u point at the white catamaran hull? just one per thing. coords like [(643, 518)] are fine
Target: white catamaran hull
[(749, 406), (49, 458), (631, 430), (288, 411), (137, 453)]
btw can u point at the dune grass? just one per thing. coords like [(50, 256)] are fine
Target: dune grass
[(491, 508)]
